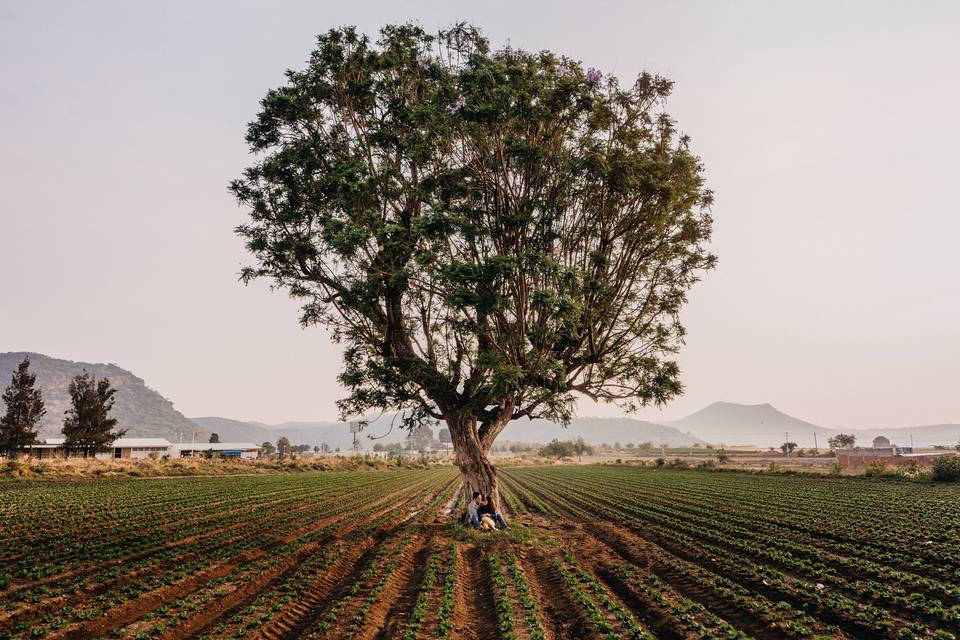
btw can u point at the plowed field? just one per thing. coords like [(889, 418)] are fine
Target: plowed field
[(592, 552)]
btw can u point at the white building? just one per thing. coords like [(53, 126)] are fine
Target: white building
[(122, 448), (242, 450)]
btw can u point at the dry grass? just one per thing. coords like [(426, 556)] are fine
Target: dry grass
[(78, 468)]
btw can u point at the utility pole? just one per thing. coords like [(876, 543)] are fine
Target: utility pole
[(816, 447), (786, 440), (911, 443), (663, 446)]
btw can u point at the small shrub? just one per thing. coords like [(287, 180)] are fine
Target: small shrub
[(947, 469), (878, 469)]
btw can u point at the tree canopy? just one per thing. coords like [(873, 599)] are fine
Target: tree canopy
[(88, 426), (488, 232), (842, 441), (24, 403)]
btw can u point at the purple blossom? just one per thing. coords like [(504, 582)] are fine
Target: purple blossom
[(594, 76), (456, 106)]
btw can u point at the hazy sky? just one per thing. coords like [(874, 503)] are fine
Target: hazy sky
[(829, 133)]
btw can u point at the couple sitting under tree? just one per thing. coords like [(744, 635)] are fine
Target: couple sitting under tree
[(483, 514)]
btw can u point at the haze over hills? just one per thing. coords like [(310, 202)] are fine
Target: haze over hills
[(146, 413), (138, 408), (760, 425), (336, 434), (763, 425)]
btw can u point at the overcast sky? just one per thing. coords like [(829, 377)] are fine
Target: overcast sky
[(829, 133)]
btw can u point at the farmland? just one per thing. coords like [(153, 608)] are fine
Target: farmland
[(593, 552)]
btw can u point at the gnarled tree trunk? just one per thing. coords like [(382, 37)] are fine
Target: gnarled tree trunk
[(471, 455)]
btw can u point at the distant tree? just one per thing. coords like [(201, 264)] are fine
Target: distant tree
[(645, 445), (88, 426), (283, 447), (616, 446), (630, 445), (316, 448), (325, 448), (580, 447), (722, 456), (490, 233), (842, 441), (301, 448), (378, 447), (558, 449), (214, 438), (18, 427), (788, 447), (445, 437), (420, 438), (268, 448)]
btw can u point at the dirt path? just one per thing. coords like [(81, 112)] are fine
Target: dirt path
[(474, 612)]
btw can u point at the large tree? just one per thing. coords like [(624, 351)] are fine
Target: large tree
[(489, 233), (24, 402), (88, 427)]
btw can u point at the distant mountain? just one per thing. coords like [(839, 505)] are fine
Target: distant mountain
[(334, 434), (760, 425), (234, 430), (599, 430), (922, 436), (140, 409), (763, 425), (337, 434)]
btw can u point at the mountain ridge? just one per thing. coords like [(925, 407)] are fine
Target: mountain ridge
[(763, 425), (138, 408)]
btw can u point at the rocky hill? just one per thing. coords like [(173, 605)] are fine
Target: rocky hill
[(138, 408)]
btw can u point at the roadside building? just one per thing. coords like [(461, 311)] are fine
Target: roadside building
[(242, 450), (122, 448)]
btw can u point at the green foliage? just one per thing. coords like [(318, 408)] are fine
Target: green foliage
[(558, 449), (842, 441), (580, 447), (788, 447), (88, 427), (24, 402), (487, 232), (947, 469)]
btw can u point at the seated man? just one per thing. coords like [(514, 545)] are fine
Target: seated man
[(479, 519)]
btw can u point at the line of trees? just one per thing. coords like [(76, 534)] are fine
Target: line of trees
[(87, 425)]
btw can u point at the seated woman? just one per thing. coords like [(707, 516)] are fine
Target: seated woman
[(488, 509)]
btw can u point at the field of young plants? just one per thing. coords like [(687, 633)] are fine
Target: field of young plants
[(592, 552)]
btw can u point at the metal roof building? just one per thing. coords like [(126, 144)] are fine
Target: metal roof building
[(244, 450)]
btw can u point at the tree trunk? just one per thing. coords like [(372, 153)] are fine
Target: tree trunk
[(471, 455)]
